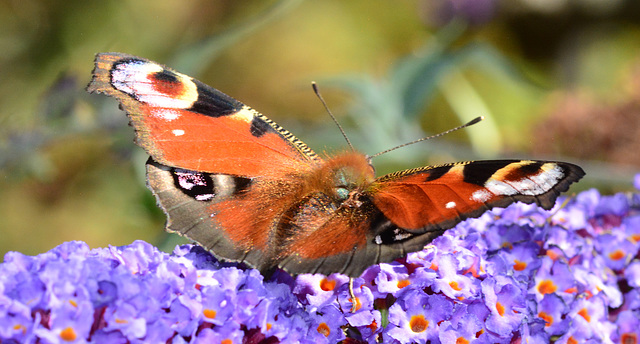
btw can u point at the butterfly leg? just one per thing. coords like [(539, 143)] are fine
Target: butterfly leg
[(354, 301)]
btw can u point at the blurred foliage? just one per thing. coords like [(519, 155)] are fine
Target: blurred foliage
[(546, 75)]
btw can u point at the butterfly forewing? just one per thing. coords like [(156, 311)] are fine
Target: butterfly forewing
[(184, 123), (441, 196)]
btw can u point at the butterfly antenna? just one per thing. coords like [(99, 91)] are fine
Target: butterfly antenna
[(317, 92), (470, 123)]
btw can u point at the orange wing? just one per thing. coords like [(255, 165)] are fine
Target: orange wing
[(184, 123), (223, 173), (439, 197)]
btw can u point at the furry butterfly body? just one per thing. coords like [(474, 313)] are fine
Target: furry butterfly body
[(246, 189)]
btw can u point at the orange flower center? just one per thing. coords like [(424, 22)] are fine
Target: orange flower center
[(585, 314), (68, 334), (629, 338), (418, 323), (547, 287), (324, 329), (327, 285), (617, 255), (500, 308), (403, 283), (547, 318), (209, 313), (20, 327), (519, 266), (454, 285)]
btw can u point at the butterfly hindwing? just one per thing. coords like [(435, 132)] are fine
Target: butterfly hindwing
[(184, 123), (192, 200), (350, 242), (236, 218)]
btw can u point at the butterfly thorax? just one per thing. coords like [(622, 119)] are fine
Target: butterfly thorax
[(336, 186), (330, 204), (343, 177)]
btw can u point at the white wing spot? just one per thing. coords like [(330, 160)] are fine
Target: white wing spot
[(177, 132), (166, 114), (450, 205), (481, 196)]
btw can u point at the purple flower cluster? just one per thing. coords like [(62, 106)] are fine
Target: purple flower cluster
[(520, 274)]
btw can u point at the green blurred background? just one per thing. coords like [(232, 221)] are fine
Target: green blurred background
[(556, 79)]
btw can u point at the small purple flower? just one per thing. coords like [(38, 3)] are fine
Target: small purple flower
[(327, 325), (632, 274), (183, 316), (416, 317), (387, 279), (317, 290), (571, 217), (533, 333), (632, 300), (451, 283), (125, 319), (69, 322), (553, 277), (616, 251), (364, 312), (475, 12), (229, 333), (565, 240), (522, 259), (628, 327), (217, 305), (139, 257), (594, 278), (504, 236), (463, 330), (551, 309), (591, 316), (506, 302), (614, 205), (16, 322), (251, 309), (576, 333)]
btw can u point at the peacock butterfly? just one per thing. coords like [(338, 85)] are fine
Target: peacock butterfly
[(248, 190)]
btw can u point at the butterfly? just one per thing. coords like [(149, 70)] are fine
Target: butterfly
[(247, 190)]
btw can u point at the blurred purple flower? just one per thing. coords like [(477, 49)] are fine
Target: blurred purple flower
[(628, 327), (440, 12), (519, 274)]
